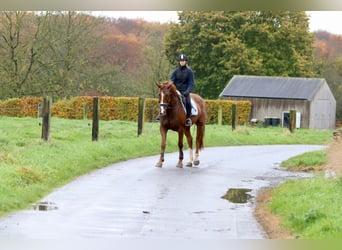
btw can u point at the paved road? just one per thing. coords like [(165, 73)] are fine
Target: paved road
[(135, 200)]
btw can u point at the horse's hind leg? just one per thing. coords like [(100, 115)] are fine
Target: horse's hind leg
[(191, 158), (196, 160), (159, 164), (199, 142)]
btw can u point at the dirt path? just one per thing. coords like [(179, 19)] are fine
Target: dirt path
[(270, 223)]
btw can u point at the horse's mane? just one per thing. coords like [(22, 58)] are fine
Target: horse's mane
[(171, 86)]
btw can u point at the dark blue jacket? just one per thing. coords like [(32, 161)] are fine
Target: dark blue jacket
[(183, 78)]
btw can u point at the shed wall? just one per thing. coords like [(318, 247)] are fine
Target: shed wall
[(263, 108), (323, 109), (271, 96)]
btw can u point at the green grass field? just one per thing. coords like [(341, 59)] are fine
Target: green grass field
[(31, 168), (310, 208)]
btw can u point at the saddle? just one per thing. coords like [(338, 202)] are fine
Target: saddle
[(194, 109)]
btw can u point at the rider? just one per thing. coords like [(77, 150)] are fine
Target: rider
[(183, 78)]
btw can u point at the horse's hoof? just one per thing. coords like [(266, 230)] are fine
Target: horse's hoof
[(196, 163), (179, 165), (189, 164), (159, 165)]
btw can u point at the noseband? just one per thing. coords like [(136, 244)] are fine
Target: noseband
[(166, 105)]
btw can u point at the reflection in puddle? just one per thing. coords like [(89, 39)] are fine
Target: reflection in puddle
[(44, 206), (238, 195)]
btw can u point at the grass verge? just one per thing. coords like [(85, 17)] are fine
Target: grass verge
[(310, 208), (309, 161)]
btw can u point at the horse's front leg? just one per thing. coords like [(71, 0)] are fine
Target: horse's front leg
[(180, 148), (189, 139), (163, 134)]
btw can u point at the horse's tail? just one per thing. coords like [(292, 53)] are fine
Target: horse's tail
[(201, 121), (201, 127)]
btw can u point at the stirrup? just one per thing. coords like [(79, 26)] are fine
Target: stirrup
[(188, 122)]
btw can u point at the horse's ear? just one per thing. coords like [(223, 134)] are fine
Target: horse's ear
[(158, 84), (170, 84)]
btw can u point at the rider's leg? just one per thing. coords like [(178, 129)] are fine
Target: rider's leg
[(188, 110)]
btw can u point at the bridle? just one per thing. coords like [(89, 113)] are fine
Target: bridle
[(166, 92), (163, 105)]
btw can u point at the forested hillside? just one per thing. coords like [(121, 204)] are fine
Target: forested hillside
[(328, 58), (67, 54), (222, 44)]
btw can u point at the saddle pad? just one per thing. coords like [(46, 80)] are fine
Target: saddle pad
[(194, 109)]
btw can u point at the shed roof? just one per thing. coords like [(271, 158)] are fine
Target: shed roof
[(272, 87)]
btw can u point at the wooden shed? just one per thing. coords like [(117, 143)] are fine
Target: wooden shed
[(274, 97)]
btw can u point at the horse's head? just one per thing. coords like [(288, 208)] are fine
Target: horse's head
[(167, 91)]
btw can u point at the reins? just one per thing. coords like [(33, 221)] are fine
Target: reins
[(167, 104)]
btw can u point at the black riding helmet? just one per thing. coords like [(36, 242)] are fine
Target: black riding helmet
[(182, 57)]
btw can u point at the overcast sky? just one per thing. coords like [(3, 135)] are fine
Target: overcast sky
[(330, 21)]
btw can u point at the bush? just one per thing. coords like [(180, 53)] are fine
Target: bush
[(243, 110), (20, 107), (117, 108)]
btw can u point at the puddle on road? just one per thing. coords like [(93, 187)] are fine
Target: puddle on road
[(44, 206), (238, 195)]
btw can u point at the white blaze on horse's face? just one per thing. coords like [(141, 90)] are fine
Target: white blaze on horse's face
[(162, 104)]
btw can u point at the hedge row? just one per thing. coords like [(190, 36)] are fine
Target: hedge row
[(20, 107), (117, 108)]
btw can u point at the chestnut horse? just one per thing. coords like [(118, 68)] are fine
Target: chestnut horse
[(172, 116)]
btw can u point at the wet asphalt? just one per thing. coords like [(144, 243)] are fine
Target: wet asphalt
[(135, 200)]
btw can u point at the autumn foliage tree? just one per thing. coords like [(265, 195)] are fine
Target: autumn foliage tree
[(328, 61), (132, 57), (68, 53)]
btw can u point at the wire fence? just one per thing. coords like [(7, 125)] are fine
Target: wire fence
[(138, 110)]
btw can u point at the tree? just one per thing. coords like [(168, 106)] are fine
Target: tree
[(67, 38), (64, 54), (156, 67), (18, 53), (328, 59), (44, 54), (221, 44), (129, 58)]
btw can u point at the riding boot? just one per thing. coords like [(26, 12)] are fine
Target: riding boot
[(188, 121)]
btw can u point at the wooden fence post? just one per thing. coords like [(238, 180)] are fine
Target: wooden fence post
[(46, 117), (151, 114), (219, 115), (141, 111), (95, 128), (292, 124), (85, 111), (234, 116)]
